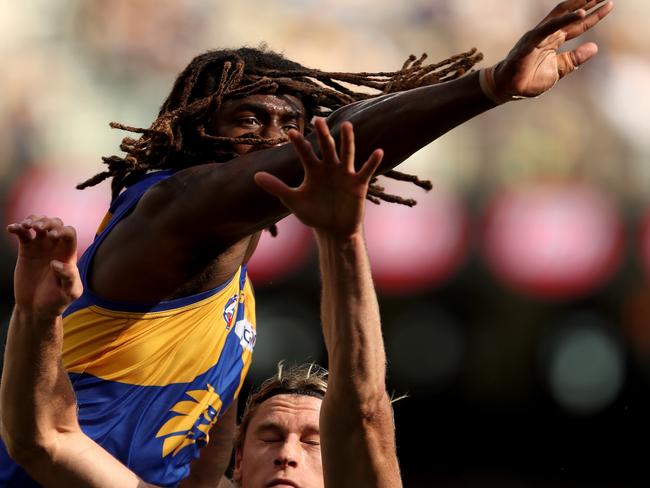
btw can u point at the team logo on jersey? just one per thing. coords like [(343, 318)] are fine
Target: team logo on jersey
[(192, 424), (229, 311), (246, 333)]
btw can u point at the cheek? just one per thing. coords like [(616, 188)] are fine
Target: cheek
[(256, 464), (315, 461), (313, 473)]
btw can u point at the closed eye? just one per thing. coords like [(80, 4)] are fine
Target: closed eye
[(312, 441), (270, 435)]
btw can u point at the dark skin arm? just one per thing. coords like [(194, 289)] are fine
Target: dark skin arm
[(208, 470), (201, 220)]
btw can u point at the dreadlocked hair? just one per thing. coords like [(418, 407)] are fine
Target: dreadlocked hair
[(179, 137)]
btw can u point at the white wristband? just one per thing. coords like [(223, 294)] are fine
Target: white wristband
[(488, 86)]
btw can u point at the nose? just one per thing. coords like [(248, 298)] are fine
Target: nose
[(274, 131), (286, 456)]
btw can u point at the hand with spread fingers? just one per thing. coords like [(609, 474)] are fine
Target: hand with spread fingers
[(536, 63), (46, 279), (331, 196)]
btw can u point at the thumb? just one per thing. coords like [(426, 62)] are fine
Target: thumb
[(68, 275)]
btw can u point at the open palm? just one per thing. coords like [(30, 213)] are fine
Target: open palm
[(331, 196), (536, 64)]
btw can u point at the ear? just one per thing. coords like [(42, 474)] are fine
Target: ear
[(237, 469)]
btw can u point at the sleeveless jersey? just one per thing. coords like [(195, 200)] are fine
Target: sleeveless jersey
[(151, 380)]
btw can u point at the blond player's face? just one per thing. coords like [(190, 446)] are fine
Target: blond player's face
[(282, 445)]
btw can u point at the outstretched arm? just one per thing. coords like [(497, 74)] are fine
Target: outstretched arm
[(39, 418), (400, 123), (357, 432), (207, 211)]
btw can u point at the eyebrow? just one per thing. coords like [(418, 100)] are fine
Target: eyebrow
[(289, 111), (270, 426)]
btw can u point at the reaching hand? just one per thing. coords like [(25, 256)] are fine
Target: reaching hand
[(331, 196), (46, 278), (535, 65)]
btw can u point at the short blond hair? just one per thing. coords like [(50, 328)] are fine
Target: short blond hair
[(303, 379)]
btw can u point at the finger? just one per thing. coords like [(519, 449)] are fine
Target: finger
[(325, 141), (68, 275), (46, 224), (578, 28), (69, 234), (552, 26), (66, 239), (304, 149), (571, 6), (23, 234), (570, 60), (346, 149), (33, 218), (273, 185), (369, 168)]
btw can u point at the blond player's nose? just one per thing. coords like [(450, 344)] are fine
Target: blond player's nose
[(287, 455)]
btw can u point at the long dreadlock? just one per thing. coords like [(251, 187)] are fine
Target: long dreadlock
[(178, 137)]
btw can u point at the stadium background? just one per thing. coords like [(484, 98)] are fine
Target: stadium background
[(515, 296)]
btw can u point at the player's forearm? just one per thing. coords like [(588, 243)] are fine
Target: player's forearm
[(33, 380), (225, 203), (208, 470), (39, 422), (356, 416), (404, 122), (351, 323)]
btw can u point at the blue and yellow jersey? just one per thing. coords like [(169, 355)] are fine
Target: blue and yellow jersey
[(151, 380)]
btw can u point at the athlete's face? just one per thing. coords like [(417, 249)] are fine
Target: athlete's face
[(265, 116), (282, 445)]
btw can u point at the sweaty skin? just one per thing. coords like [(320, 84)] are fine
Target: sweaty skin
[(283, 440), (199, 223), (192, 231)]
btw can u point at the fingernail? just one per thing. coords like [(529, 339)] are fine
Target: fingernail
[(57, 265)]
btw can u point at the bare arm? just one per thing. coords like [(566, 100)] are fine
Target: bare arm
[(399, 123), (357, 432), (209, 211), (47, 440)]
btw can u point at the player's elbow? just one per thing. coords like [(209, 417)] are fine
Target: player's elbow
[(28, 450)]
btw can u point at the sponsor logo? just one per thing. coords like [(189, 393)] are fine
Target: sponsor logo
[(229, 311), (246, 333)]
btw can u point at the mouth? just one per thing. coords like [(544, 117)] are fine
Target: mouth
[(282, 483)]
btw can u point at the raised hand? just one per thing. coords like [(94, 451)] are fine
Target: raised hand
[(331, 196), (535, 64), (46, 279)]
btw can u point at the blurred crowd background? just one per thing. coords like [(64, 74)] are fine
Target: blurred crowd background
[(515, 295)]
